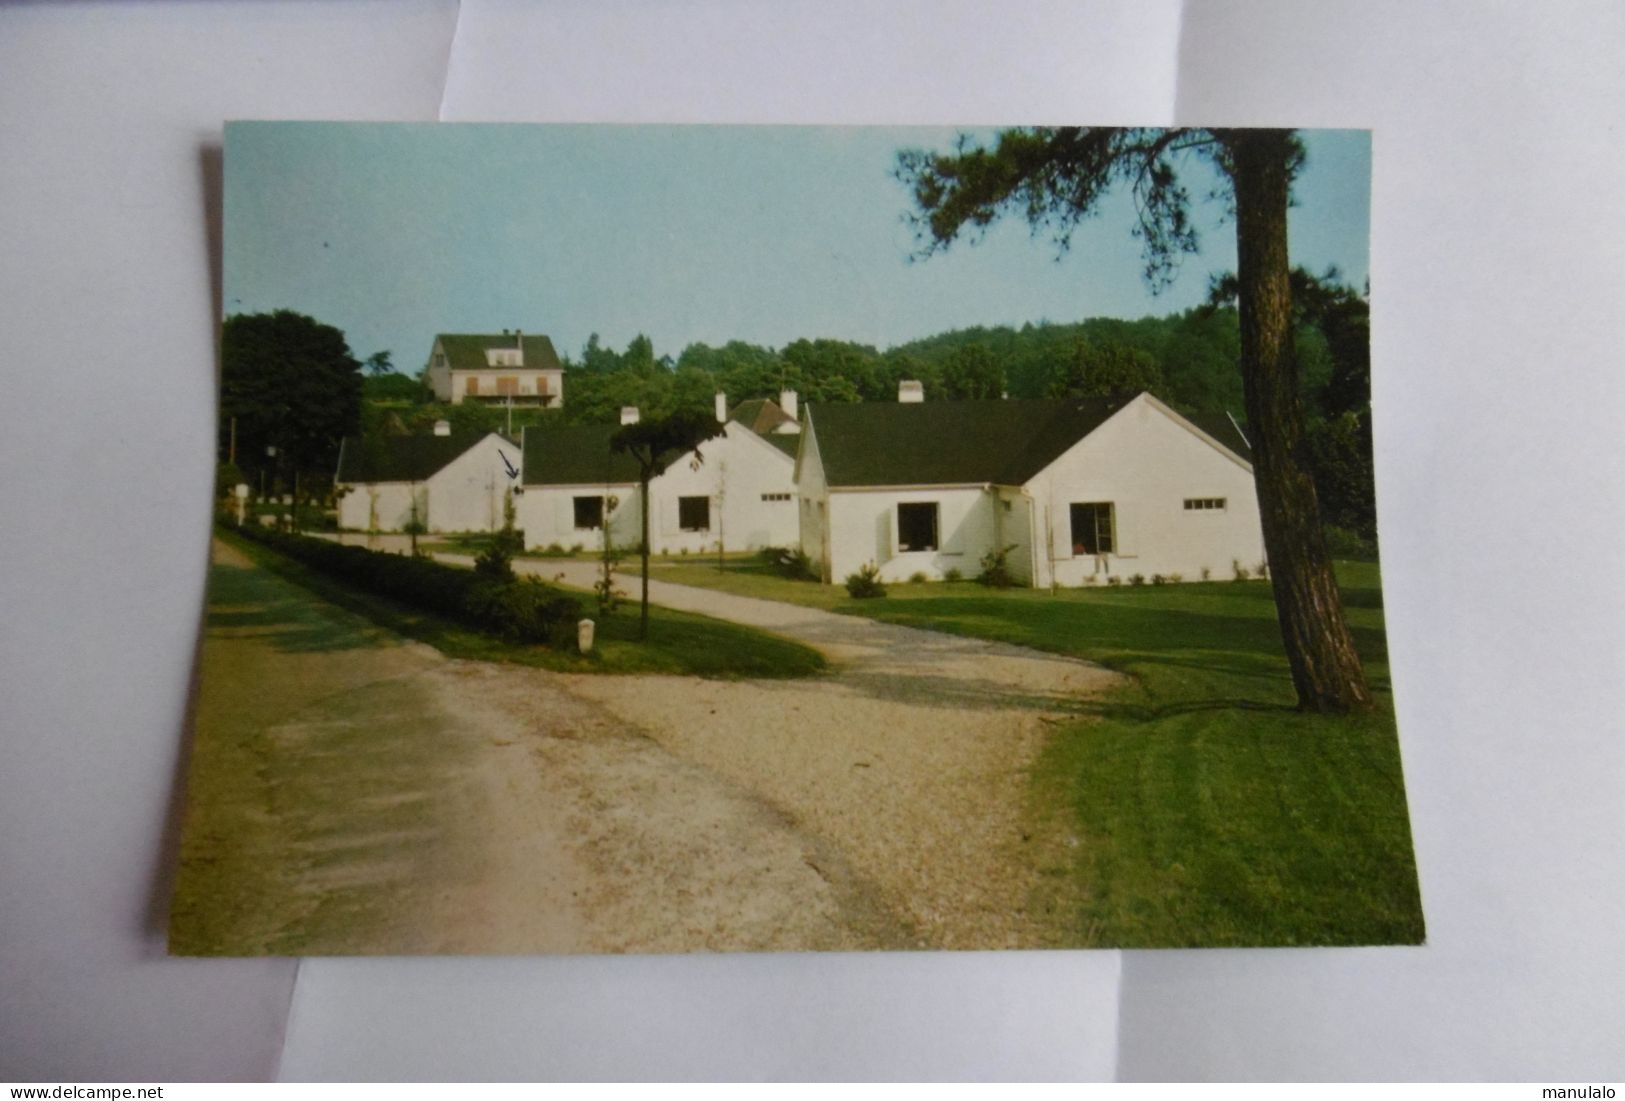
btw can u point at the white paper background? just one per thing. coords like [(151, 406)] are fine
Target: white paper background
[(1498, 280)]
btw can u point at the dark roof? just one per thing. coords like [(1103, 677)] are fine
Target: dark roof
[(761, 416), (466, 351), (577, 454), (400, 458), (787, 442), (960, 442)]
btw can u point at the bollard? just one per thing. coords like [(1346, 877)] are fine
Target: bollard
[(584, 631)]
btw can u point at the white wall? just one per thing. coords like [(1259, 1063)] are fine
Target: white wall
[(739, 467), (1146, 464), (381, 506), (863, 529), (467, 493), (547, 516)]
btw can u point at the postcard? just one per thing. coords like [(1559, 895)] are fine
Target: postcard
[(651, 539)]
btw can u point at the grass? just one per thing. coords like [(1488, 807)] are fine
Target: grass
[(1208, 810), (679, 642)]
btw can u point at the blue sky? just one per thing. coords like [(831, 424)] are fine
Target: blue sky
[(765, 234)]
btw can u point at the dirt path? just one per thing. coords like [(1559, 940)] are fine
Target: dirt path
[(911, 757), (355, 793)]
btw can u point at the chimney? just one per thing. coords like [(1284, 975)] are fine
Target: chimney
[(910, 391), (442, 428), (519, 342), (787, 402), (722, 408), (629, 414)]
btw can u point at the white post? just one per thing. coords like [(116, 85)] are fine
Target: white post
[(584, 631)]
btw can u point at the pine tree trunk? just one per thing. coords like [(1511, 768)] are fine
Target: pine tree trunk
[(1326, 669)]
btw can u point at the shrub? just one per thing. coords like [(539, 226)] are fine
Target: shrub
[(1091, 579), (918, 577), (1241, 572), (1262, 569), (553, 550), (788, 562), (1207, 574), (953, 575), (1347, 543), (1137, 580), (1175, 578), (865, 584), (495, 562), (577, 548), (1114, 581), (996, 569), (517, 610), (1158, 579)]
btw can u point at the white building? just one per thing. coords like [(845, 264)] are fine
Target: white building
[(1079, 490), (457, 481), (496, 369), (736, 491), (573, 485)]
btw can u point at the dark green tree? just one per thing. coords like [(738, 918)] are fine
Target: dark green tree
[(291, 384), (1097, 370), (653, 444), (1056, 177), (972, 372)]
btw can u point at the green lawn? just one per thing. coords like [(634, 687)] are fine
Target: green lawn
[(1208, 810), (679, 642)]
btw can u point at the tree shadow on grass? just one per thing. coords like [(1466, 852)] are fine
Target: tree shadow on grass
[(284, 615)]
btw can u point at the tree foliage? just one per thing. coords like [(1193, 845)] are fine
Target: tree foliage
[(291, 384)]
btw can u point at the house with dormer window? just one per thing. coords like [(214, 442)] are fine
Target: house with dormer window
[(498, 369)]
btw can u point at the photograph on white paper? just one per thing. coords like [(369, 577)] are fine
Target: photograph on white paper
[(701, 538)]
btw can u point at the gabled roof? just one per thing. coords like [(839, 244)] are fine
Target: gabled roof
[(466, 351), (999, 442), (787, 442), (576, 454), (401, 458), (761, 416)]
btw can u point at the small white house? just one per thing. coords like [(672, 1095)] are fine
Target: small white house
[(736, 490), (496, 369), (457, 481), (1078, 490), (575, 488)]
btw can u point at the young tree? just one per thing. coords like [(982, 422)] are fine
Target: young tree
[(1056, 177), (653, 444)]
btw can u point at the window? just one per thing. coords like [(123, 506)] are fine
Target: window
[(440, 359), (1092, 528), (472, 386), (589, 512), (1202, 504), (776, 496), (694, 513), (507, 385), (917, 527)]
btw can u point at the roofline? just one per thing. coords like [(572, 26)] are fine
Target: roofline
[(910, 486), (579, 485), (1158, 404)]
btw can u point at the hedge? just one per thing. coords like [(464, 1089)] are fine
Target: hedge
[(519, 610)]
